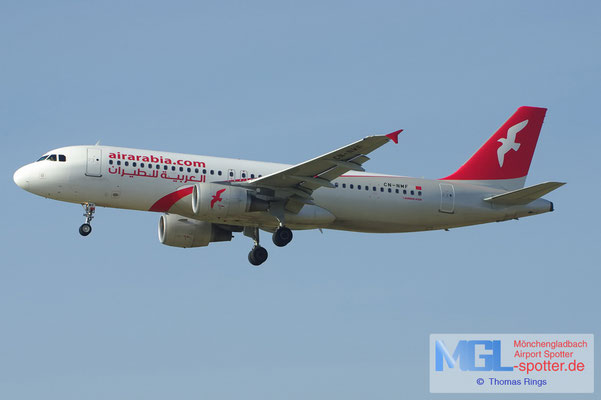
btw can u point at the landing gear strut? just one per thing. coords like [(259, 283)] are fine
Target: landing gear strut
[(258, 254), (85, 229), (282, 236)]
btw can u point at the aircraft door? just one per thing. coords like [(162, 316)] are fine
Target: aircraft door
[(94, 162), (447, 198)]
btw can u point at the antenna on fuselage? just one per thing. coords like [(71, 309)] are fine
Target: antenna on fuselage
[(97, 143)]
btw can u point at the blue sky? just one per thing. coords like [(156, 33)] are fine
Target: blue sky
[(333, 315)]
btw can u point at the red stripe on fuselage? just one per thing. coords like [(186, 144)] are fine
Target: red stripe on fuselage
[(166, 202), (372, 176)]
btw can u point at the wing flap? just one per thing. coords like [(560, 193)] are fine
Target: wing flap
[(351, 166), (525, 195)]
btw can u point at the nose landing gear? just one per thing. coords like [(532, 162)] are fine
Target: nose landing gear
[(85, 229)]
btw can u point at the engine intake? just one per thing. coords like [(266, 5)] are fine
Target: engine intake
[(178, 231)]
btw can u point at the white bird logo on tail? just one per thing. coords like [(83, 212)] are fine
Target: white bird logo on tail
[(509, 143)]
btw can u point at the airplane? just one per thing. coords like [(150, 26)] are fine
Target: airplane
[(206, 199)]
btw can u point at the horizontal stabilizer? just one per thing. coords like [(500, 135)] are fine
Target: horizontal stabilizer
[(525, 195)]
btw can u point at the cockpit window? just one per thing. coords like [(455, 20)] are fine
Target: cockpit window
[(53, 157)]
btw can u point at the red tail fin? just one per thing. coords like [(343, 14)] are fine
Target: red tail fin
[(508, 153)]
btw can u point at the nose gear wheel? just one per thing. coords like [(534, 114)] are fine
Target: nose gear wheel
[(86, 228)]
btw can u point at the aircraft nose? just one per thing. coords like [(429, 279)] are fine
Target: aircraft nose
[(21, 178)]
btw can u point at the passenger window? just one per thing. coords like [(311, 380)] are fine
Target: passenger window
[(412, 193), (52, 157), (243, 175), (118, 162), (62, 158), (381, 189), (149, 165), (181, 169), (212, 172), (141, 165), (359, 187), (133, 164), (336, 184), (204, 171), (396, 191), (374, 188), (158, 166), (195, 170), (344, 185), (389, 190), (351, 186), (173, 168), (164, 167), (126, 163), (189, 169), (219, 173), (404, 192), (419, 193), (252, 176), (111, 162)]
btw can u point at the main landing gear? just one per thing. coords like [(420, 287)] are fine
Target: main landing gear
[(282, 236), (258, 255), (85, 229)]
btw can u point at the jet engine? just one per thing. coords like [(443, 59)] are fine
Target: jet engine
[(211, 200), (178, 231)]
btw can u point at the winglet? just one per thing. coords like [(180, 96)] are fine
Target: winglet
[(394, 136)]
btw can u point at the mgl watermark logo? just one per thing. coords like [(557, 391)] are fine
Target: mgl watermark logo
[(511, 363), (466, 353)]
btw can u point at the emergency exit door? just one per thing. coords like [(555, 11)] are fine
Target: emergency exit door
[(447, 198)]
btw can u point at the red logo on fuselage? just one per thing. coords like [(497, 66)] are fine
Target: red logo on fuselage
[(217, 198)]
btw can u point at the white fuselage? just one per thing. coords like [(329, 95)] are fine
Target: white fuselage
[(366, 202)]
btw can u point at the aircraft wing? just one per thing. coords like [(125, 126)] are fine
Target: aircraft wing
[(299, 181)]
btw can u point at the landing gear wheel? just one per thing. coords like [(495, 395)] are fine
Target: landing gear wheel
[(282, 236), (85, 229), (257, 256)]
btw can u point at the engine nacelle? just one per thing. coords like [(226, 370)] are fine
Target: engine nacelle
[(178, 231), (212, 200)]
